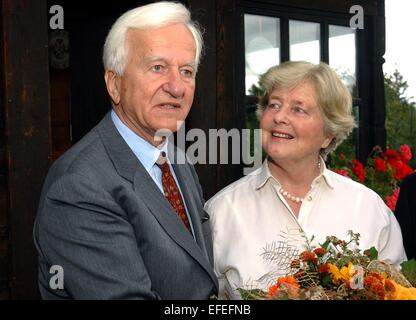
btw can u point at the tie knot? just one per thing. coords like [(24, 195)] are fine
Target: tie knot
[(162, 162)]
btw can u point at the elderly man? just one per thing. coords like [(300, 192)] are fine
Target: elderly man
[(117, 216)]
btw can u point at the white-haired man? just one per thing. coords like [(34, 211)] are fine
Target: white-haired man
[(117, 215)]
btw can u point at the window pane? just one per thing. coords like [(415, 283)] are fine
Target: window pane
[(349, 146), (342, 54), (262, 46), (304, 41)]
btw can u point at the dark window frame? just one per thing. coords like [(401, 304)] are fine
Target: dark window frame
[(285, 14)]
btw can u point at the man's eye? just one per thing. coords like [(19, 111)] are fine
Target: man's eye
[(187, 73), (157, 68)]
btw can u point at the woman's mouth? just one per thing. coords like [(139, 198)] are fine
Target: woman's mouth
[(282, 135)]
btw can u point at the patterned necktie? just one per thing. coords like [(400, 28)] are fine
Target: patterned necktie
[(171, 190)]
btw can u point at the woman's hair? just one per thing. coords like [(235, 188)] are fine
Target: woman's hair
[(150, 16), (334, 98)]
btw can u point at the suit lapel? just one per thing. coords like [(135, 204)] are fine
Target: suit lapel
[(168, 219), (128, 166), (123, 159)]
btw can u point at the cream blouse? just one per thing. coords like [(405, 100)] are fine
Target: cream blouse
[(250, 214)]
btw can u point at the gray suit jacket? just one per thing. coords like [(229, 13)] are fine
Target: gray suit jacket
[(102, 219)]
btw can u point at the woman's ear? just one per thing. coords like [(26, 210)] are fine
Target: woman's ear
[(327, 141), (112, 82)]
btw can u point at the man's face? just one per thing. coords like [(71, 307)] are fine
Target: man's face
[(157, 87)]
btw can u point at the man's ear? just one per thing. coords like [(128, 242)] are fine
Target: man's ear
[(112, 81)]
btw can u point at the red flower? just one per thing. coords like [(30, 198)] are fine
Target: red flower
[(375, 275), (295, 264), (380, 165), (391, 155), (392, 199), (320, 251), (396, 163), (374, 283), (272, 290), (402, 171), (289, 284), (406, 152), (358, 170), (342, 172), (309, 256), (324, 268), (340, 243), (383, 172)]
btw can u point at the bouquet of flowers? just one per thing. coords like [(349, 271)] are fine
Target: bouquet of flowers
[(382, 173), (334, 271)]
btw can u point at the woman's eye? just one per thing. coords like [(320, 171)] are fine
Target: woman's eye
[(274, 106), (298, 109)]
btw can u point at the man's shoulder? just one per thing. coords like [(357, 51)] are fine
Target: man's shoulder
[(85, 154)]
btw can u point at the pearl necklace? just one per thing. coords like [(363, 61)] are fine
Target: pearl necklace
[(287, 195), (291, 197)]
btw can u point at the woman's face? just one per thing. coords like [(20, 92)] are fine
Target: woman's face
[(292, 123)]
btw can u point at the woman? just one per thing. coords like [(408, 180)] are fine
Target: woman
[(406, 214), (304, 115)]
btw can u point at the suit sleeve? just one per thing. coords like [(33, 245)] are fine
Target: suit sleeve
[(406, 214), (82, 229)]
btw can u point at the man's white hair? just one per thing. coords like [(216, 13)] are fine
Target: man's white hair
[(155, 15)]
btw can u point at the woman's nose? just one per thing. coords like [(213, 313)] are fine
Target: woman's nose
[(281, 116)]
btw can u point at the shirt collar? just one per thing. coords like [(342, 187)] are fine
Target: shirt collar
[(265, 175), (144, 151), (325, 173)]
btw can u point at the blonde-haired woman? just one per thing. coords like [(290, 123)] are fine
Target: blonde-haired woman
[(304, 115)]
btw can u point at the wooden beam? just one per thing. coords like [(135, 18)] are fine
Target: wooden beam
[(371, 7), (203, 112), (26, 110), (4, 239)]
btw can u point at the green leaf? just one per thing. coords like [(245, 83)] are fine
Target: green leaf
[(255, 294), (326, 280), (409, 271), (343, 261), (372, 253), (325, 244)]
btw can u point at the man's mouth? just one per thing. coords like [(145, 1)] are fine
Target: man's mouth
[(169, 106)]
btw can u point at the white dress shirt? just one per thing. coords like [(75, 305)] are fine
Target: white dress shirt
[(251, 213)]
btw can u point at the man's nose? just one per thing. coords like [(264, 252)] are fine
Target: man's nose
[(175, 85)]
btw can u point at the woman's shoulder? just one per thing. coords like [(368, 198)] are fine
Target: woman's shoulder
[(348, 185), (360, 199), (238, 189)]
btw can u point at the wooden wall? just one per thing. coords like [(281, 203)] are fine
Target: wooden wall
[(60, 82), (4, 243), (24, 153)]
